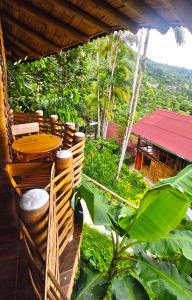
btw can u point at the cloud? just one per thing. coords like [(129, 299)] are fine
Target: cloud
[(164, 49)]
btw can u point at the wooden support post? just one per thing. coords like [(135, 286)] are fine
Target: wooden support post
[(4, 141), (39, 115), (11, 115), (34, 213), (64, 160), (54, 120), (79, 137), (64, 212), (68, 136)]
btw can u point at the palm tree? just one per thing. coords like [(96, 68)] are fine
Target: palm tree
[(112, 76), (179, 33)]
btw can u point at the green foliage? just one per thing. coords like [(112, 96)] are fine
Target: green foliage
[(91, 285), (164, 279), (161, 210), (150, 270), (55, 84), (96, 201), (96, 249), (101, 159), (165, 87), (128, 288)]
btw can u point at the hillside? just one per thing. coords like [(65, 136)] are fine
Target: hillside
[(167, 87)]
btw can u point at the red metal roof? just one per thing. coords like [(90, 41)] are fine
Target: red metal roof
[(113, 132), (168, 130)]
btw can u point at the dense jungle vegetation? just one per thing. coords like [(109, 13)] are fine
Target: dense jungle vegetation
[(141, 260), (93, 83), (70, 83)]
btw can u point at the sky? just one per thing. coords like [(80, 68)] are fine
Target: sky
[(162, 48)]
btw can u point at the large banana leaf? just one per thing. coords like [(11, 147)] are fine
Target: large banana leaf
[(96, 201), (164, 279), (128, 288), (182, 180), (160, 212), (174, 243), (90, 285)]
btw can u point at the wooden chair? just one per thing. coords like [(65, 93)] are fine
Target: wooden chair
[(28, 175), (24, 129)]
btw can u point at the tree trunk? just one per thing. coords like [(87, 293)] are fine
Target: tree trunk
[(139, 71), (110, 93), (98, 99)]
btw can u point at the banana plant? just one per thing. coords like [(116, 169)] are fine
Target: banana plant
[(153, 240)]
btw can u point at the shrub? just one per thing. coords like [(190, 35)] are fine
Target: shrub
[(96, 249), (101, 160)]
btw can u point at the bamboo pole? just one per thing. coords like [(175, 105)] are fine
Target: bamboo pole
[(64, 161), (54, 120), (39, 115), (69, 133), (34, 213), (102, 187), (78, 158)]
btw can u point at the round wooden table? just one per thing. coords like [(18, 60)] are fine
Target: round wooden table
[(37, 144)]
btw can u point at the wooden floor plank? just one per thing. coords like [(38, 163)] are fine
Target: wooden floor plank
[(14, 280)]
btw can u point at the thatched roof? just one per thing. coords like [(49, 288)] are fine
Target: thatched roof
[(36, 28)]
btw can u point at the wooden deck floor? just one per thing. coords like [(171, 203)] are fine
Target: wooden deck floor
[(14, 281)]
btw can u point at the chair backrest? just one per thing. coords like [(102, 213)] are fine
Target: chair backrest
[(24, 176), (26, 128)]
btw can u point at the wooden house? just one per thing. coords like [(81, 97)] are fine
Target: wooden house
[(164, 143), (30, 30)]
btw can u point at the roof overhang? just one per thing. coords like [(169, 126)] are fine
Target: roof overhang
[(35, 28)]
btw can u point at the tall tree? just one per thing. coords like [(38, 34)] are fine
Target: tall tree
[(179, 33), (134, 97)]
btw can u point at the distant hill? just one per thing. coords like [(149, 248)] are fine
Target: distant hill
[(151, 65), (167, 87)]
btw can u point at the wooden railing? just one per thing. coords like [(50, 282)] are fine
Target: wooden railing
[(44, 266), (50, 125)]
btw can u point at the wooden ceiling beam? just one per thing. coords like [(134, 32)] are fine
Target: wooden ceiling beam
[(182, 9), (13, 40), (48, 19), (23, 28), (11, 55), (21, 54), (84, 15), (115, 15), (147, 13)]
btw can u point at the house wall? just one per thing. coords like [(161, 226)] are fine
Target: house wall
[(4, 141), (155, 171)]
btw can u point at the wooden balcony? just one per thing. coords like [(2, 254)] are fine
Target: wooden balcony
[(29, 274)]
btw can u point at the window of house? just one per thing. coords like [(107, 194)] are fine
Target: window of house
[(146, 161)]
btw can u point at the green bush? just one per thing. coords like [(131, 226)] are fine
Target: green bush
[(96, 249), (101, 161)]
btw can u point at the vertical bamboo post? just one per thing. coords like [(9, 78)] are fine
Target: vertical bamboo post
[(78, 158), (39, 115), (11, 114), (4, 141), (78, 137), (34, 212), (64, 160), (69, 133), (54, 120)]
